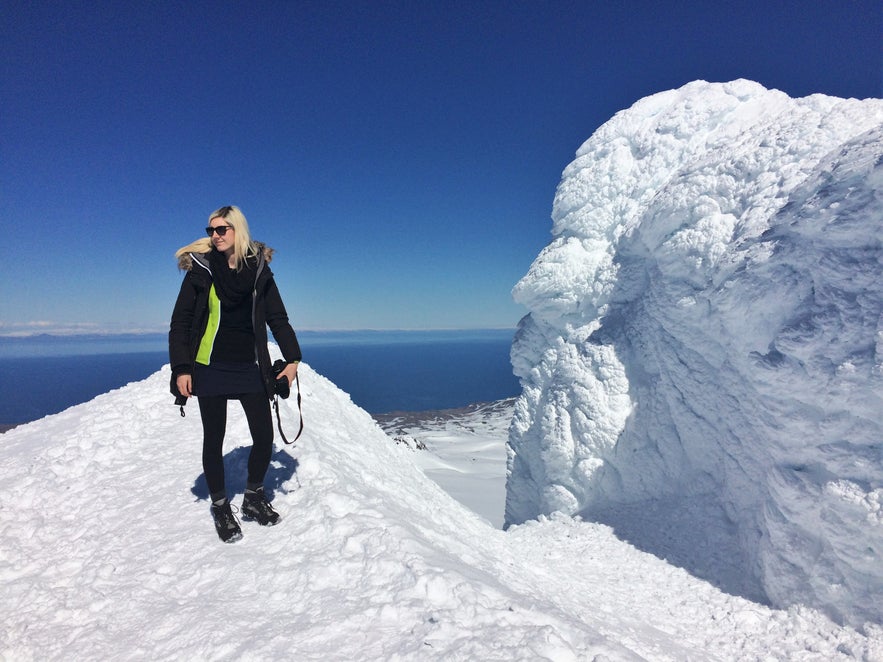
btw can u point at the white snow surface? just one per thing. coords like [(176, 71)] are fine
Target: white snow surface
[(466, 451), (702, 363), (107, 552)]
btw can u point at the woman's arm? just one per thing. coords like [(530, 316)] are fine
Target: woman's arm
[(180, 328), (277, 320)]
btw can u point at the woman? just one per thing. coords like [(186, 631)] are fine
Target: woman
[(218, 352)]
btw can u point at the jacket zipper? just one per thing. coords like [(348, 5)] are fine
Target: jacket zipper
[(254, 303)]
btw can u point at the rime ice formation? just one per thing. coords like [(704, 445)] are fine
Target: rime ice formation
[(702, 363)]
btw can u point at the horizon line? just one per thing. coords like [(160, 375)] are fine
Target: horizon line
[(74, 333)]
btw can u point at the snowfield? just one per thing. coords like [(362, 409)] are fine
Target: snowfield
[(467, 451), (107, 551), (702, 364)]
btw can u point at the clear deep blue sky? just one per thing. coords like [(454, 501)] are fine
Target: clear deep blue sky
[(401, 157)]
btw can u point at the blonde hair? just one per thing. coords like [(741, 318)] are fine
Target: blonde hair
[(243, 246)]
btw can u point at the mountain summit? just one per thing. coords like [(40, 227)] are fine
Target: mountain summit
[(108, 552)]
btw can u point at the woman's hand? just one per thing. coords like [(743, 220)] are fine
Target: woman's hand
[(289, 373), (185, 385)]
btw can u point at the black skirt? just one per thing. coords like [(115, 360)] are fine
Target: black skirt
[(221, 378)]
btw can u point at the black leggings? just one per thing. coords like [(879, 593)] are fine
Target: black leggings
[(213, 410)]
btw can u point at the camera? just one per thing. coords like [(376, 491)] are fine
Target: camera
[(281, 385)]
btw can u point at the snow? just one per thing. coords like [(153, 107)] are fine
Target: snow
[(702, 364), (107, 551), (467, 451)]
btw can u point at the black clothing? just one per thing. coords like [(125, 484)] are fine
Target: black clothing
[(190, 316), (227, 378), (218, 335), (231, 285), (256, 507), (234, 340), (213, 411), (225, 522)]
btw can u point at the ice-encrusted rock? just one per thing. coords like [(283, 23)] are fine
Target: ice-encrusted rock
[(702, 364)]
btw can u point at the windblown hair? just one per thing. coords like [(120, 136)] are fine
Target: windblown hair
[(243, 246)]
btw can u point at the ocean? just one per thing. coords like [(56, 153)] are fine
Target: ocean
[(383, 371)]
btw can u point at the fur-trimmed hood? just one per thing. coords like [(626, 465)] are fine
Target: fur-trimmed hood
[(185, 260)]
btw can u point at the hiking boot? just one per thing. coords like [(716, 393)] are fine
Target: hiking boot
[(225, 523), (256, 507)]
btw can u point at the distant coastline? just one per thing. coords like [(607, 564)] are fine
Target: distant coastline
[(367, 332), (382, 370), (84, 344)]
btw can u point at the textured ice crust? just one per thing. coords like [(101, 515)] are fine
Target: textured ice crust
[(702, 364)]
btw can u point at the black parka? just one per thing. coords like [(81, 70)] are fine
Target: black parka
[(190, 318)]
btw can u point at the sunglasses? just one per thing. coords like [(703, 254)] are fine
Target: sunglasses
[(221, 230)]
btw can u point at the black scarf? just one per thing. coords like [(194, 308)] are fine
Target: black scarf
[(232, 286)]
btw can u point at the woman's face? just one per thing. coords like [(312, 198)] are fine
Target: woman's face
[(223, 244)]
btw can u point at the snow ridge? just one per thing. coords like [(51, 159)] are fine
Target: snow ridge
[(107, 552), (702, 365)]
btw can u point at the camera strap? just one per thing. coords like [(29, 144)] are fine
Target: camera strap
[(299, 411)]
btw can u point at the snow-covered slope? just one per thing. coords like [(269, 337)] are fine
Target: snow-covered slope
[(107, 552), (702, 364), (465, 451)]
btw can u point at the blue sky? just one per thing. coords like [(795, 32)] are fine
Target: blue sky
[(401, 157)]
